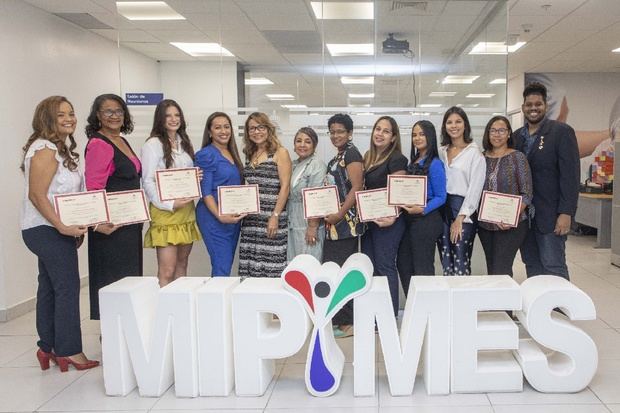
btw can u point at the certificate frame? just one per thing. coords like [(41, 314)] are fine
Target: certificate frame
[(360, 209), (144, 202), (102, 192), (391, 198), (161, 171), (318, 188), (219, 197), (486, 196)]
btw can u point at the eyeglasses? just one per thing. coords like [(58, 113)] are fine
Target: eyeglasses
[(108, 113), (499, 131), (337, 132), (383, 131), (259, 128)]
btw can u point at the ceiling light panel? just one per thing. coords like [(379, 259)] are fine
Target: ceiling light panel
[(361, 95), (616, 50), (343, 10), (147, 10), (202, 49), (480, 95), (459, 80), (353, 49), (257, 81), (357, 80), (495, 48), (280, 96), (499, 81), (294, 106), (430, 105), (441, 94)]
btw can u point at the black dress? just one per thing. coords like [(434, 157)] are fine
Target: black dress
[(118, 255)]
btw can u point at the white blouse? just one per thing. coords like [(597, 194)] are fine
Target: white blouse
[(64, 181), (152, 157), (465, 177)]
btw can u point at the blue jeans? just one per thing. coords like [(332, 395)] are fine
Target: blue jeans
[(381, 246), (543, 254)]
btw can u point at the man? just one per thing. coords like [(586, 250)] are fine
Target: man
[(551, 149)]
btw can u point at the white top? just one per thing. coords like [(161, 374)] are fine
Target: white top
[(152, 157), (63, 182), (465, 176)]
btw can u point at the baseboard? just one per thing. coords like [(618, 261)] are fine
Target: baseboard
[(26, 306)]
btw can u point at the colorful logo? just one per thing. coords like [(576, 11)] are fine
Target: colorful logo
[(324, 290)]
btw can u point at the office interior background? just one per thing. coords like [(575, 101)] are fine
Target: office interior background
[(299, 61)]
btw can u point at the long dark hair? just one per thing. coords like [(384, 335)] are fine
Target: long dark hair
[(431, 145), (207, 139), (159, 130), (445, 138), (486, 138), (93, 124), (45, 126)]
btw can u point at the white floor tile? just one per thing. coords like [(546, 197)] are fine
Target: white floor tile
[(608, 343), (88, 393), (290, 391), (614, 408), (530, 396), (20, 326), (553, 408), (327, 410), (437, 409), (26, 389), (11, 347), (606, 382)]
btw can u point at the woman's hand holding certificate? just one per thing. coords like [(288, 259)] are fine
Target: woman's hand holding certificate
[(82, 208), (406, 190), (238, 199), (372, 205), (501, 209), (128, 207), (320, 202), (177, 183)]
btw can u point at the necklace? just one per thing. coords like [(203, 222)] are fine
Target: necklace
[(255, 161)]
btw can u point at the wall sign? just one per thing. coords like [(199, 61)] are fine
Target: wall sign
[(209, 336), (143, 99)]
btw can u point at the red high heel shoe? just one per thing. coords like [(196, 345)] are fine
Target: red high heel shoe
[(44, 359), (64, 362)]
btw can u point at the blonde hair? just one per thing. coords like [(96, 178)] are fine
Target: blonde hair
[(273, 143), (374, 157), (45, 126)]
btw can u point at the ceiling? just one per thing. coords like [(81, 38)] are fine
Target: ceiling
[(282, 40)]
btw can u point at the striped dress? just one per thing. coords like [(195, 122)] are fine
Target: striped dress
[(260, 256)]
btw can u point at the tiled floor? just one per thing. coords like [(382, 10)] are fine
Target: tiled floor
[(25, 388)]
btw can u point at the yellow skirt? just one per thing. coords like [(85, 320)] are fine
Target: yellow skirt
[(172, 228)]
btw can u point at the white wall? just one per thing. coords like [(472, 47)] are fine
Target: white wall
[(43, 55)]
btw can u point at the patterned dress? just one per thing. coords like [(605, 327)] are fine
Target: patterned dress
[(260, 256)]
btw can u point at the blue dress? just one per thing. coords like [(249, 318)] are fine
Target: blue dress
[(220, 239)]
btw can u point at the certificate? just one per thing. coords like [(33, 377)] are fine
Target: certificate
[(238, 199), (406, 190), (177, 183), (320, 201), (498, 208), (82, 208), (372, 205), (127, 207)]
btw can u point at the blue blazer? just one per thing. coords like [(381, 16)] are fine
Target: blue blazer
[(554, 160)]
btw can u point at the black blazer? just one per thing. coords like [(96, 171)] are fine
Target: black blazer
[(554, 160)]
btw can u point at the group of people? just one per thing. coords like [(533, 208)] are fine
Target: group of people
[(538, 162)]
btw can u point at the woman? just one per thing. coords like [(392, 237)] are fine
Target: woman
[(173, 223), (382, 237), (508, 172), (50, 167), (416, 254), (220, 165), (465, 169), (305, 236), (342, 229), (262, 251), (114, 251)]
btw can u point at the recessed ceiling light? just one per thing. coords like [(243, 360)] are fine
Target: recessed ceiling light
[(457, 79), (357, 80), (361, 95), (341, 10), (421, 113), (495, 48), (280, 96), (294, 106), (499, 81), (430, 105), (480, 95), (475, 105), (364, 113), (147, 10), (254, 81), (202, 49), (616, 50), (441, 94), (352, 49), (365, 105)]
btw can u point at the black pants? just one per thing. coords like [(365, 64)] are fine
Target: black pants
[(500, 247), (338, 252), (416, 253), (58, 295)]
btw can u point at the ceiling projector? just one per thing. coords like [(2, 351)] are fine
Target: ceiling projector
[(393, 46)]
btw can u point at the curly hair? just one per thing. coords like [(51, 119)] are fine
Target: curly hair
[(45, 126), (159, 130), (249, 147), (93, 122)]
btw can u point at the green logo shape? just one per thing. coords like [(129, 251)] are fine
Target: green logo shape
[(352, 282)]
